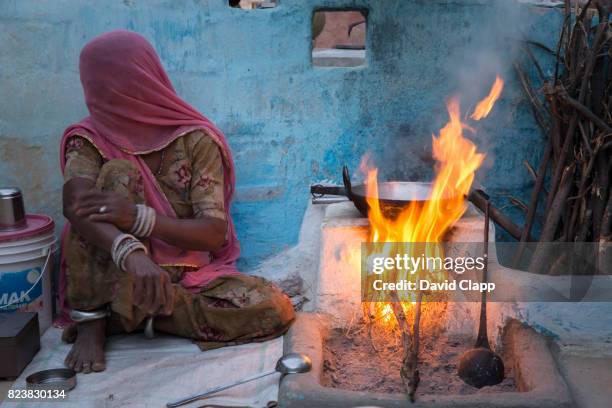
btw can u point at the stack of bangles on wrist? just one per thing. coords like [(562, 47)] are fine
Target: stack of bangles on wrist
[(145, 221), (123, 246)]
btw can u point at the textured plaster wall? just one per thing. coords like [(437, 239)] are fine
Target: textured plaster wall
[(289, 124)]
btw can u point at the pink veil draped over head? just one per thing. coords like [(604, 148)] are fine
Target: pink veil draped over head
[(135, 110)]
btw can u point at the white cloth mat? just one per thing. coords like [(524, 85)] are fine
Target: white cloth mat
[(150, 373)]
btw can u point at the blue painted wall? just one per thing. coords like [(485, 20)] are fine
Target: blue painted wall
[(289, 123)]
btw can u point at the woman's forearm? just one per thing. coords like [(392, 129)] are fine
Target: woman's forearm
[(82, 205), (100, 234), (201, 234)]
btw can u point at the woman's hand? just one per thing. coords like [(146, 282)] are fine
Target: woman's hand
[(106, 207), (153, 290)]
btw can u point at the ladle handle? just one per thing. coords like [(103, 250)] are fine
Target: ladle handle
[(318, 190), (217, 389), (483, 338)]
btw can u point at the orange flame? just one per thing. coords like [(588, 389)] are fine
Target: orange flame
[(457, 160), (484, 107)]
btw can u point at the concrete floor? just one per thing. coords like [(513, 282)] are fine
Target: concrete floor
[(589, 379), (4, 387)]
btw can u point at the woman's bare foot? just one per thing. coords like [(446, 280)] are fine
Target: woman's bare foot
[(87, 353), (69, 334)]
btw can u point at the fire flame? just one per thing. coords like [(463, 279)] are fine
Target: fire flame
[(457, 160), (484, 107)]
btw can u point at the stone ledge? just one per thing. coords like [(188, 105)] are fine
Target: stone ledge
[(536, 370)]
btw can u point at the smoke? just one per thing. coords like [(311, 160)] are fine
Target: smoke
[(489, 52), (472, 43), (493, 46)]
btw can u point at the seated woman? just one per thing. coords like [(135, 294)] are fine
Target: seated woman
[(148, 186)]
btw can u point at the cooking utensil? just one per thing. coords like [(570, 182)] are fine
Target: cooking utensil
[(480, 366), (393, 196), (270, 404), (12, 211), (54, 379), (149, 330), (292, 363)]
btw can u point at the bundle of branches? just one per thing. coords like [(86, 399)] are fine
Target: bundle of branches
[(573, 108)]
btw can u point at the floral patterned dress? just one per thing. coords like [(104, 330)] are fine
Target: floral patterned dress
[(230, 309)]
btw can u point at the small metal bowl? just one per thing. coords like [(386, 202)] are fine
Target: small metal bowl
[(12, 211), (54, 379)]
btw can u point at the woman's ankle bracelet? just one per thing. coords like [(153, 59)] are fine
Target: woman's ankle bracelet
[(82, 316)]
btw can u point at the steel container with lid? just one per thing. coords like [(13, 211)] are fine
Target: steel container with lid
[(12, 211)]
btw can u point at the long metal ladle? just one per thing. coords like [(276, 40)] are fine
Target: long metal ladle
[(480, 366), (291, 363)]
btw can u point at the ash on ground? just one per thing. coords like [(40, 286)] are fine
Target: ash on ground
[(361, 362)]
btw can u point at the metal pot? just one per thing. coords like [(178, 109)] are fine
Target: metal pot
[(394, 196), (12, 211)]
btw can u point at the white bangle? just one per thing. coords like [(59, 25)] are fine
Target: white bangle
[(152, 220), (144, 222), (117, 243), (123, 246), (138, 220), (131, 247)]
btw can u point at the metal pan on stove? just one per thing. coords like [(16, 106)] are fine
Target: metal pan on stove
[(393, 196)]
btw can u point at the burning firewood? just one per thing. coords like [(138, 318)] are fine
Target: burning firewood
[(410, 371), (420, 226), (410, 343)]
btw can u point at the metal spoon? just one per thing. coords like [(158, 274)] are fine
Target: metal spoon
[(480, 366), (291, 363)]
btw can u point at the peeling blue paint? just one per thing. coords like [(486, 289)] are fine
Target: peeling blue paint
[(289, 124)]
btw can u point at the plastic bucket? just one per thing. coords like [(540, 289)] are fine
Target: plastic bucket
[(26, 264)]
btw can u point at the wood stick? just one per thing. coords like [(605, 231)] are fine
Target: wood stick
[(586, 112), (413, 364), (556, 129), (578, 106), (569, 138), (600, 191), (554, 215), (558, 172), (540, 256), (400, 316), (478, 198), (402, 321), (606, 222), (604, 253), (533, 202), (562, 39), (585, 138), (410, 343), (535, 62), (581, 191), (539, 110), (584, 226)]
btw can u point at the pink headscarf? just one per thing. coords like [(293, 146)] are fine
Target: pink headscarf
[(134, 110)]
